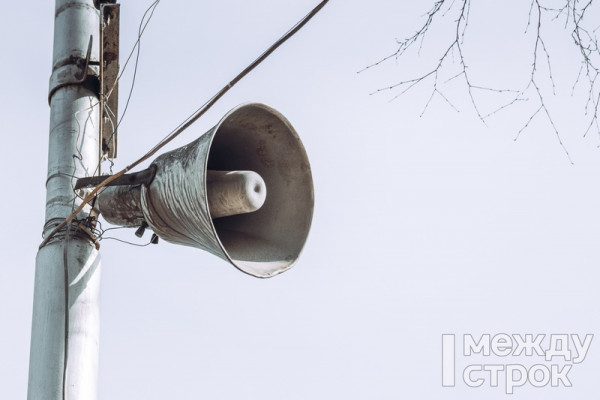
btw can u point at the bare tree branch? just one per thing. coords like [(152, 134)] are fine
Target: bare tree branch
[(577, 17)]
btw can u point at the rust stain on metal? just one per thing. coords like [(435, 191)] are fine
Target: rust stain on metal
[(272, 132), (263, 154)]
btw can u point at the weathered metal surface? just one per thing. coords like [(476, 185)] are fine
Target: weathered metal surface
[(73, 151), (121, 205), (74, 61), (78, 73), (228, 193), (142, 177), (72, 116), (109, 72), (46, 359), (251, 137)]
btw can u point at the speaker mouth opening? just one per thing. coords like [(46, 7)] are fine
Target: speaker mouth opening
[(255, 137)]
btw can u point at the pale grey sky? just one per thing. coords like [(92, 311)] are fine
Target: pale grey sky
[(423, 226)]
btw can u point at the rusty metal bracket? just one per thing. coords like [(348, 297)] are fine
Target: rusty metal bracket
[(109, 78), (144, 177), (73, 73), (98, 3)]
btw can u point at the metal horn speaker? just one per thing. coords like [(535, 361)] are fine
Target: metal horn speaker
[(243, 191)]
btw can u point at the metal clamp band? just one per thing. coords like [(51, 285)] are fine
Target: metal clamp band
[(77, 72)]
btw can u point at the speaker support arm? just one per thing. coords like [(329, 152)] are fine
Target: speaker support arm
[(144, 177)]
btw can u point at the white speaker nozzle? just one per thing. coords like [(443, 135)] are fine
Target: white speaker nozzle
[(234, 192)]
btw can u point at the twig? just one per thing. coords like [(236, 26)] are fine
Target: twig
[(577, 16)]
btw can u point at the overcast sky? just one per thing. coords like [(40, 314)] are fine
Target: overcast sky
[(423, 225)]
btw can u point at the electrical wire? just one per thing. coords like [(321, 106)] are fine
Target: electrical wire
[(206, 106), (99, 232), (126, 242), (141, 30), (115, 122), (191, 119), (103, 231), (100, 235)]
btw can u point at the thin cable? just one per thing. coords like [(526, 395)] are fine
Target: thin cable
[(191, 119), (103, 231), (126, 242), (138, 44), (206, 106)]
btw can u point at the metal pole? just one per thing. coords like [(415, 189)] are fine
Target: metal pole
[(64, 338)]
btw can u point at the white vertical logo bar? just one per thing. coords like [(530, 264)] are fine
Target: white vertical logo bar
[(448, 360)]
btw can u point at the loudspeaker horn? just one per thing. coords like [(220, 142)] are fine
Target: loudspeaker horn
[(243, 191)]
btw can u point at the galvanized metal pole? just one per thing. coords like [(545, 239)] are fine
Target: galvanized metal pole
[(64, 338)]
